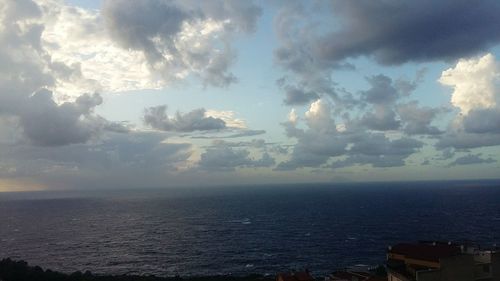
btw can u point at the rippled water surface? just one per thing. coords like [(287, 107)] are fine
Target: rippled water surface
[(239, 230)]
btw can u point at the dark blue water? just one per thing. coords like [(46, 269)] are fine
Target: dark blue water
[(240, 230)]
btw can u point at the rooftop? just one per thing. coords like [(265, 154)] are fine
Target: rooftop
[(426, 251)]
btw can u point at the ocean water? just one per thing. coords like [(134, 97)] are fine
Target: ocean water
[(206, 231)]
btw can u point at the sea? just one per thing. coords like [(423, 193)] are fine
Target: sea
[(241, 230)]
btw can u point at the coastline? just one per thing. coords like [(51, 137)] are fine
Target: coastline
[(19, 270)]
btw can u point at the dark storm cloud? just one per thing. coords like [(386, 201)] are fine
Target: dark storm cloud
[(395, 32), (392, 32), (195, 120), (471, 159)]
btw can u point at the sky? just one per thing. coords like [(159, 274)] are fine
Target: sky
[(166, 93)]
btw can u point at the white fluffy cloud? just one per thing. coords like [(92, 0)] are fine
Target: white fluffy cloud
[(179, 38), (118, 50), (27, 71), (229, 117), (476, 94), (473, 82)]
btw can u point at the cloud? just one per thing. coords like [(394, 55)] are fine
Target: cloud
[(259, 144), (384, 108), (319, 117), (136, 25), (481, 121), (255, 143), (316, 39), (461, 140), (196, 120), (48, 124), (446, 154), (297, 96), (20, 54), (242, 15), (473, 81), (415, 31), (26, 75), (182, 37), (309, 78), (321, 142), (129, 160), (379, 145), (475, 93), (245, 133), (240, 133), (418, 119), (471, 159), (381, 118), (379, 151), (229, 117), (382, 90), (128, 45), (226, 159)]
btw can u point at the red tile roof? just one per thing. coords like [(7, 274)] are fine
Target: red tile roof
[(428, 252)]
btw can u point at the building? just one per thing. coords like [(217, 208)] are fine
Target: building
[(347, 275), (436, 261)]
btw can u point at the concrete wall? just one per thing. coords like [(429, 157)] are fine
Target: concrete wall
[(495, 266), (395, 277), (429, 275), (458, 268)]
